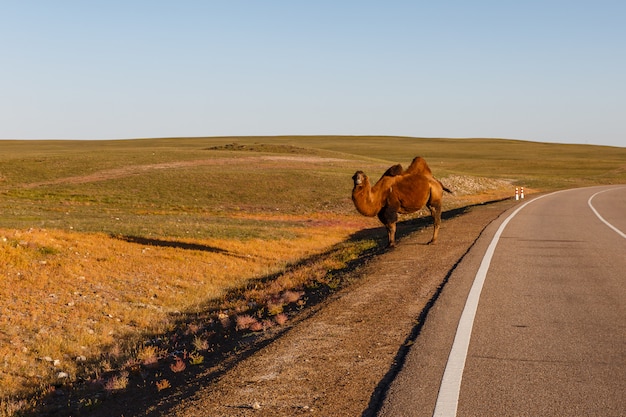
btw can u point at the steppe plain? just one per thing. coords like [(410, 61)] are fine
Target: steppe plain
[(142, 271)]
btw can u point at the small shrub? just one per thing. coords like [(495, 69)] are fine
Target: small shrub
[(105, 365), (115, 351), (193, 328), (224, 320), (281, 319), (245, 322), (163, 384), (200, 344), (196, 359), (117, 382), (291, 296), (274, 309), (178, 365), (148, 355), (133, 365), (256, 327)]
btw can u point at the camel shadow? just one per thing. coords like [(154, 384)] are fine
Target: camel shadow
[(174, 244), (405, 228), (408, 227), (227, 346)]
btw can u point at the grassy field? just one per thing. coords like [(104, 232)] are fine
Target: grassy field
[(107, 245)]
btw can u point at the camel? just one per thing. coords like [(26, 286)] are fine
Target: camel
[(400, 192)]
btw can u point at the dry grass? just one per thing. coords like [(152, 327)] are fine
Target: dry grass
[(68, 297)]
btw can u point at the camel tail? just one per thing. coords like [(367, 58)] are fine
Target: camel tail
[(446, 189)]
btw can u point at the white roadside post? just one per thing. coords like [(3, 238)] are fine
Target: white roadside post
[(516, 193)]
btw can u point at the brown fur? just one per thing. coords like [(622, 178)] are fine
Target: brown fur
[(399, 192)]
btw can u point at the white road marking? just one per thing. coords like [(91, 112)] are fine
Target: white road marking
[(448, 398), (619, 232)]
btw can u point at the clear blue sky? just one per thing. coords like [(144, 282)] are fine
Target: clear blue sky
[(539, 70)]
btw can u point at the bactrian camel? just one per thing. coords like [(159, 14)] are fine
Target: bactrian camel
[(399, 192)]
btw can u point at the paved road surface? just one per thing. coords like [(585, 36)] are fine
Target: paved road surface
[(547, 327)]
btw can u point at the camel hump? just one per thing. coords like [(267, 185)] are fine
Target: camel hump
[(393, 171), (419, 166)]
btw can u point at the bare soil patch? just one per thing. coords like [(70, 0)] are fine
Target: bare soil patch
[(338, 356)]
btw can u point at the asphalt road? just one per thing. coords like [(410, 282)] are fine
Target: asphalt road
[(532, 321)]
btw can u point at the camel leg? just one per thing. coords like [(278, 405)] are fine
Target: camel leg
[(391, 232), (389, 216), (435, 211)]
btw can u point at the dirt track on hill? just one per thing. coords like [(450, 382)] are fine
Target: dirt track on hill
[(126, 171), (338, 360)]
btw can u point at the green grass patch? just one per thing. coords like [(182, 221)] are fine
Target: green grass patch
[(180, 186)]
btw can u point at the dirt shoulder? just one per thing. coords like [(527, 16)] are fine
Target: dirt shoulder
[(338, 360)]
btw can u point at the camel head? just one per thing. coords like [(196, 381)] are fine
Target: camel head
[(369, 200), (359, 178)]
